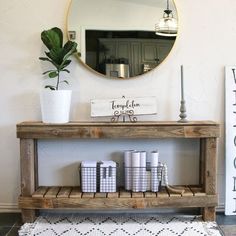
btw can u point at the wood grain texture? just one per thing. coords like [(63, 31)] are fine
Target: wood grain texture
[(175, 191), (202, 161), (100, 195), (118, 130), (68, 192), (28, 215), (76, 193), (210, 166), (29, 176), (150, 195), (113, 195), (64, 192), (125, 194), (197, 191), (163, 193), (36, 175), (27, 160), (137, 195), (88, 195), (71, 197), (40, 192), (52, 192), (209, 214), (187, 191), (122, 203), (210, 175)]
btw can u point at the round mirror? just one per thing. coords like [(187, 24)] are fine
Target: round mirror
[(122, 38)]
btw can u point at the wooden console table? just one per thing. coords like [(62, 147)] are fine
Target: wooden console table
[(35, 197)]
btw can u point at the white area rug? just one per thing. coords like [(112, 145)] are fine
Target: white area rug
[(140, 225)]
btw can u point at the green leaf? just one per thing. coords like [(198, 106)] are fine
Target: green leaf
[(56, 55), (53, 74), (46, 72), (52, 38), (66, 70), (65, 81), (50, 87), (69, 49), (50, 60), (65, 64), (44, 59), (47, 59)]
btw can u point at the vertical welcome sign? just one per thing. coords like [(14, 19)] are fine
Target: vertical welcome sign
[(230, 140)]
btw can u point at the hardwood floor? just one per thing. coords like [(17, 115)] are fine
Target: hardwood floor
[(227, 224), (10, 223)]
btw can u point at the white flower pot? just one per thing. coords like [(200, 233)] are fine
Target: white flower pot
[(55, 106)]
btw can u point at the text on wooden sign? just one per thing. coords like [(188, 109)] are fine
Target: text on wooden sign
[(138, 106)]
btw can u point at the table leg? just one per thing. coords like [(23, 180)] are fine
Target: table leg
[(209, 213), (28, 161)]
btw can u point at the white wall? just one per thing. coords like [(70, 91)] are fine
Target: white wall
[(206, 43)]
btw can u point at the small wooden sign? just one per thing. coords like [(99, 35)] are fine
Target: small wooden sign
[(137, 106), (230, 140)]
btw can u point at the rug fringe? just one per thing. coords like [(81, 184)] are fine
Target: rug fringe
[(26, 229)]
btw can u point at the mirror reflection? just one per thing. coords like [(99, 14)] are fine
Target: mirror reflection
[(122, 38)]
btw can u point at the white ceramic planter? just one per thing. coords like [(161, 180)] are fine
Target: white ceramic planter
[(55, 106)]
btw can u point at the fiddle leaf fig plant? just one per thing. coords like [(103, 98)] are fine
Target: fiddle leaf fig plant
[(58, 55)]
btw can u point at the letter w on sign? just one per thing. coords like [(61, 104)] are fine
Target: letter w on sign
[(139, 106)]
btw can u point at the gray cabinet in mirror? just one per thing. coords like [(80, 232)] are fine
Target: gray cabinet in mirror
[(117, 38)]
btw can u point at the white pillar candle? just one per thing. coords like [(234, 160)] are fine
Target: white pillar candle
[(182, 82)]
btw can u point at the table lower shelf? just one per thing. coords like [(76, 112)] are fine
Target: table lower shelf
[(72, 198)]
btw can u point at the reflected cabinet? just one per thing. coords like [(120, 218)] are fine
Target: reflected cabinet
[(133, 57), (34, 197)]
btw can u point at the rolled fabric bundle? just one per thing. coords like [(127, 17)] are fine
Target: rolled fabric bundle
[(154, 166), (143, 177), (128, 169), (135, 171), (148, 178)]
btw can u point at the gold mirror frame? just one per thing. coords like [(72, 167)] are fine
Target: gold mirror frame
[(69, 36)]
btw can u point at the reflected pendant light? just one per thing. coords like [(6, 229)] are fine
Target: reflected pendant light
[(167, 25)]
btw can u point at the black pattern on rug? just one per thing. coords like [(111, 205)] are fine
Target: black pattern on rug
[(140, 225)]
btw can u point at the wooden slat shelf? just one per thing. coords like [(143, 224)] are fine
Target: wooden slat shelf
[(69, 192), (75, 192), (59, 197), (41, 199)]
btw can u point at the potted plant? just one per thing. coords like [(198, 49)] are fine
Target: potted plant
[(55, 103)]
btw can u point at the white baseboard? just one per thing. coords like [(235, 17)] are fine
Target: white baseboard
[(9, 207)]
